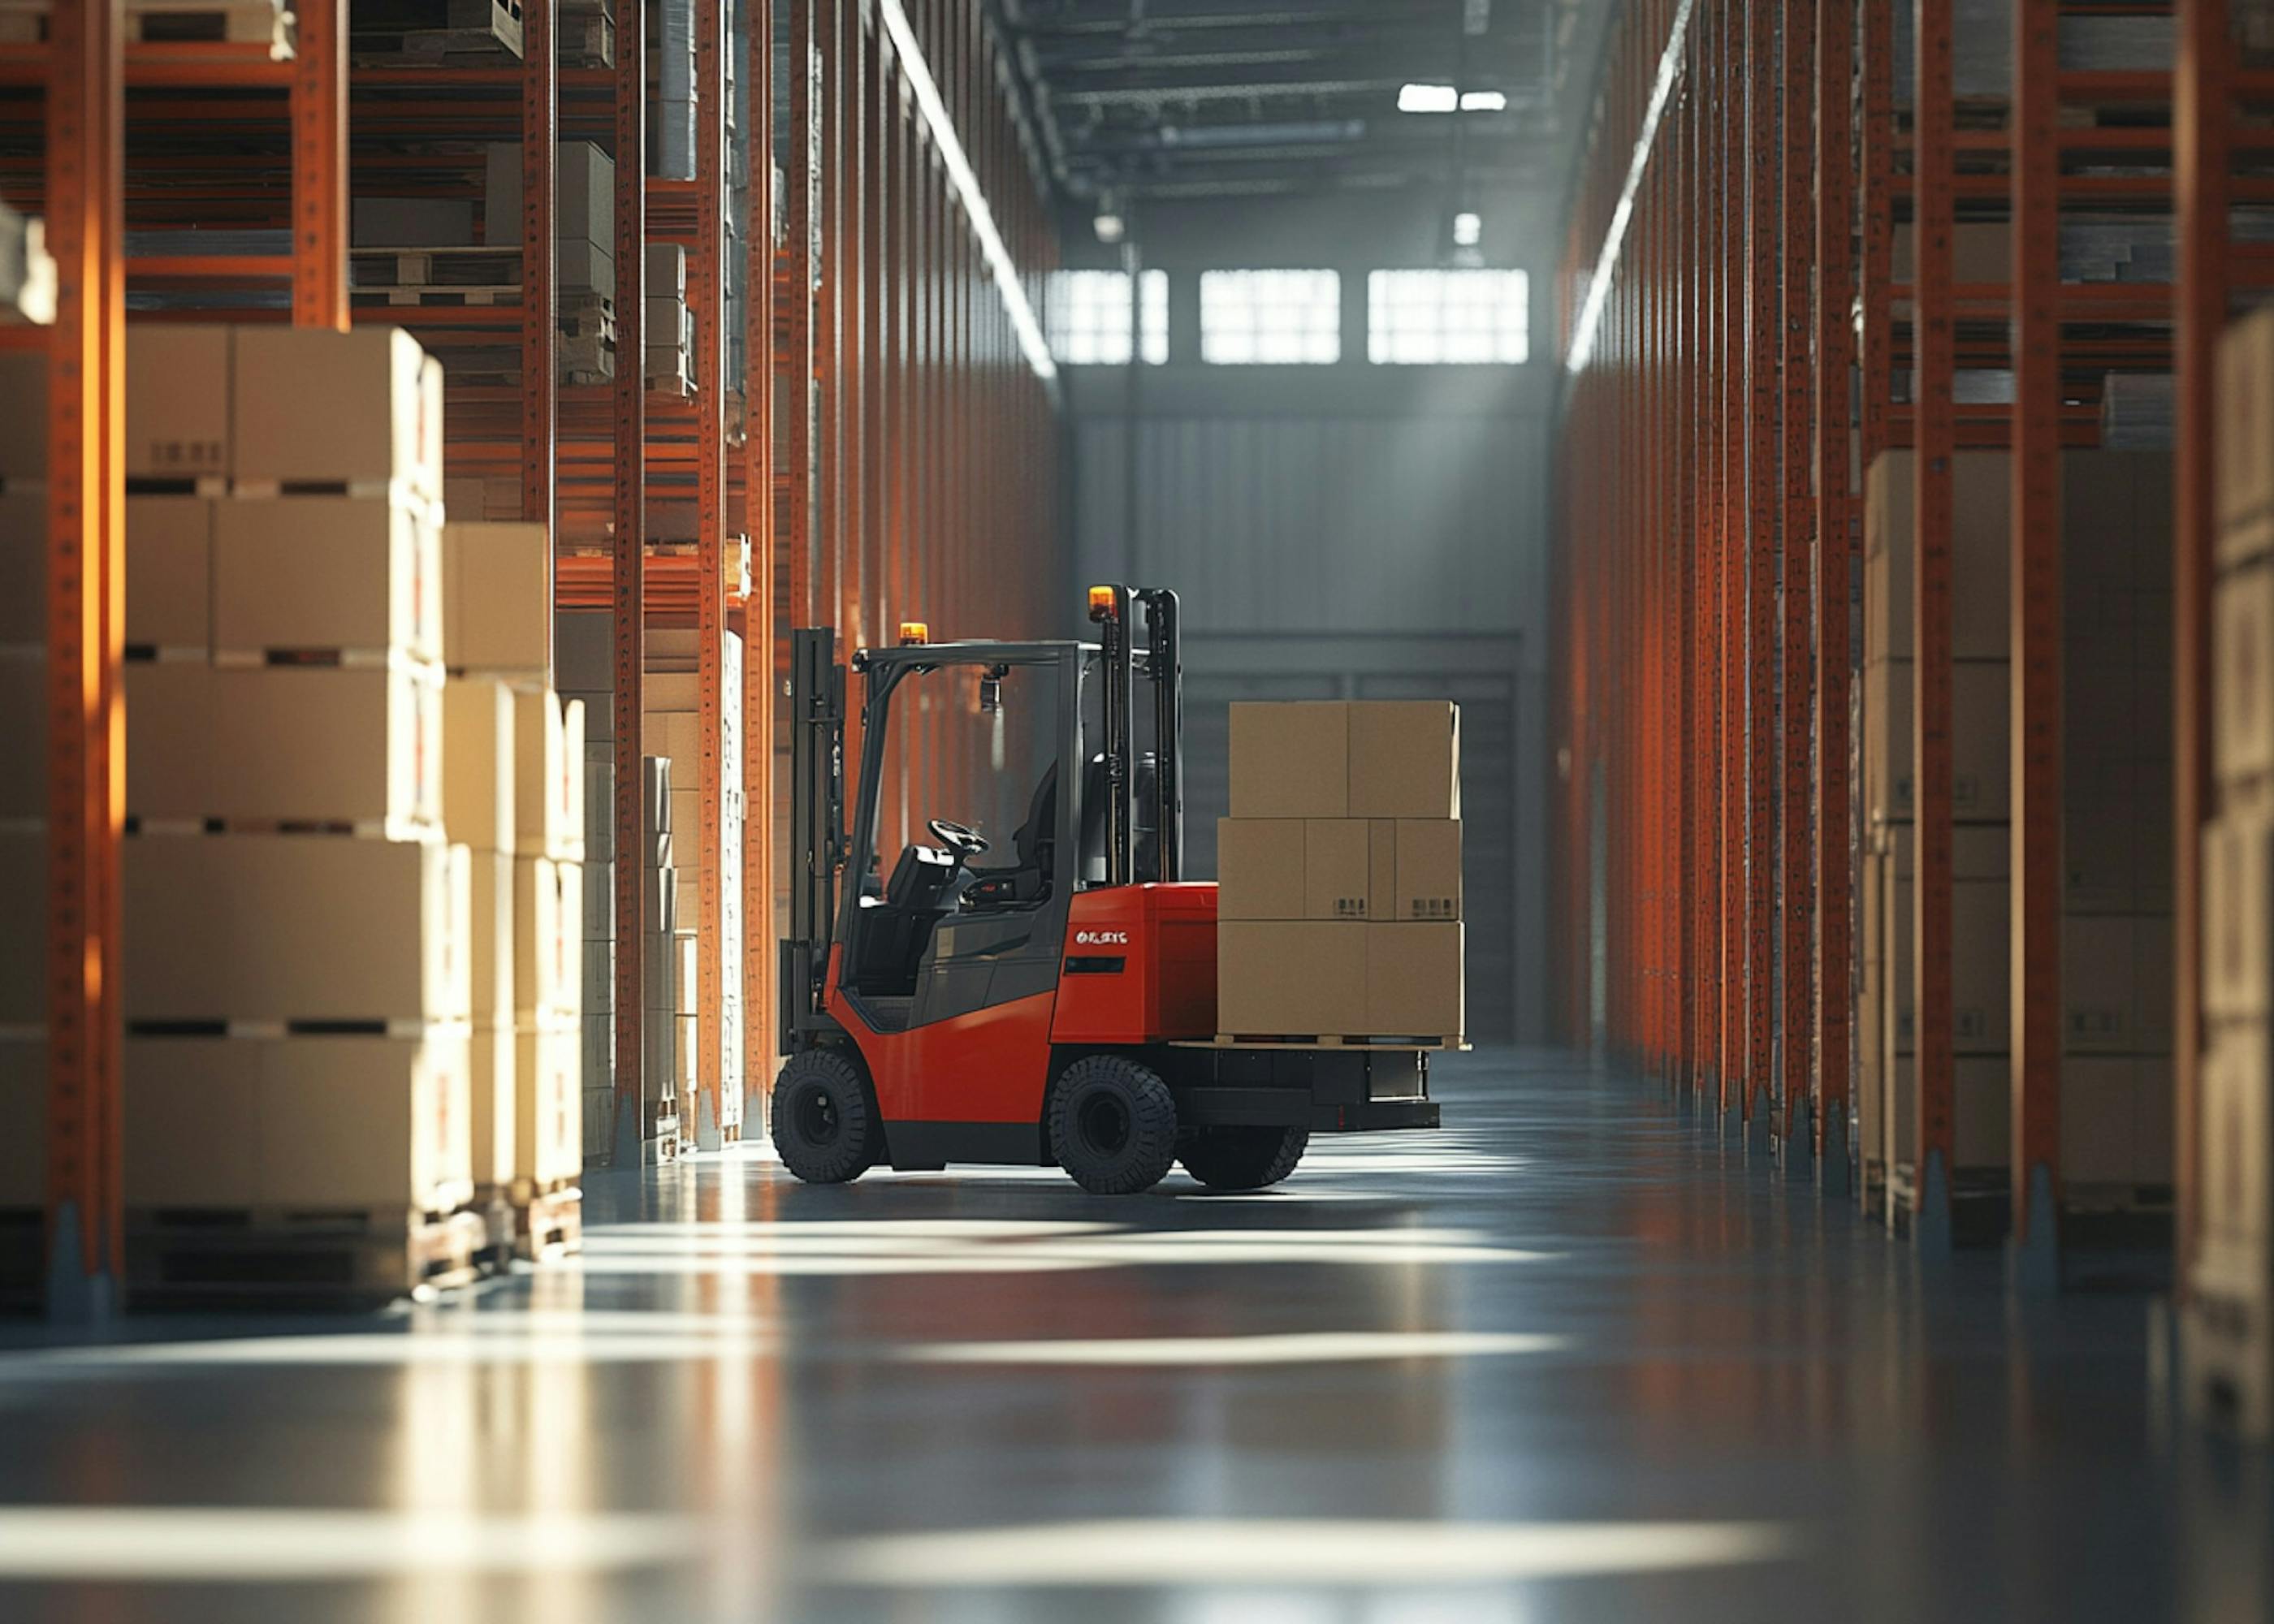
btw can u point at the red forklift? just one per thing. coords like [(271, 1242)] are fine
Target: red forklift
[(1055, 1007)]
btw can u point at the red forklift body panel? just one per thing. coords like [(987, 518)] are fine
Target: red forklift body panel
[(1139, 966), (989, 1066)]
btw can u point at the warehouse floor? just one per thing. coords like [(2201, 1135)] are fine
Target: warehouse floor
[(1566, 1359)]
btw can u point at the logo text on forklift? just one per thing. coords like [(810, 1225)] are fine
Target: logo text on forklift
[(1102, 938)]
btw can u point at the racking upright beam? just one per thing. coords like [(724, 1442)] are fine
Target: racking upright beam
[(1934, 425), (1702, 518), (1761, 417), (86, 613), (1835, 351), (2201, 115), (758, 689), (2037, 662), (706, 292), (800, 177), (1799, 551), (319, 167), (1736, 552), (628, 608), (540, 139)]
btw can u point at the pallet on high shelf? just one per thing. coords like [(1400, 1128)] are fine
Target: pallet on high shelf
[(586, 315), (471, 267), (205, 1256), (426, 31), (586, 34), (231, 22)]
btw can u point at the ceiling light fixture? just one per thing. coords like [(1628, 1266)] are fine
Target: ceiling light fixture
[(1468, 229), (1484, 101), (1428, 98)]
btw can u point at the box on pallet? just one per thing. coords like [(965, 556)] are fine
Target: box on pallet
[(325, 1122), (497, 582), (494, 1079), (479, 767), (548, 1120), (2237, 1128), (178, 410), (2245, 449), (313, 407), (548, 948), (296, 928), (2238, 915), (2242, 675), (170, 572), (548, 741), (361, 572)]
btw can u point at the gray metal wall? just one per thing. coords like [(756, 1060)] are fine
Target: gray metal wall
[(1351, 531)]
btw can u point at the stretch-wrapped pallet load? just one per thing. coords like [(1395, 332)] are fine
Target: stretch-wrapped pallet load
[(299, 986), (2229, 1351), (583, 248), (23, 829), (1339, 872)]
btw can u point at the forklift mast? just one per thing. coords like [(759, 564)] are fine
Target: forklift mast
[(817, 819)]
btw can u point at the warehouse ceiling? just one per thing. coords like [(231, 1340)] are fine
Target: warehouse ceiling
[(1137, 102)]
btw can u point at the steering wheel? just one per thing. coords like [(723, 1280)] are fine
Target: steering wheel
[(964, 843)]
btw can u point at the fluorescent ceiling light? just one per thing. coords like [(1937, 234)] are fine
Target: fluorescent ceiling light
[(1468, 229), (1428, 98), (965, 182), (1109, 228), (1484, 101)]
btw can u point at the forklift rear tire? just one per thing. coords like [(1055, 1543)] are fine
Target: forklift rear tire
[(824, 1128), (1242, 1158), (1113, 1125)]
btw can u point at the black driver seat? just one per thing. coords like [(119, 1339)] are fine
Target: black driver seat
[(1034, 844)]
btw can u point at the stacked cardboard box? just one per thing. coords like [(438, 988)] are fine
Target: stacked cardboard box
[(583, 247), (662, 1066), (2116, 846), (549, 943), (2230, 1341), (583, 658), (23, 837), (1339, 889), (668, 330), (299, 986), (673, 731)]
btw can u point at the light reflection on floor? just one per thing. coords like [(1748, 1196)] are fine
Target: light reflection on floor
[(1565, 1360)]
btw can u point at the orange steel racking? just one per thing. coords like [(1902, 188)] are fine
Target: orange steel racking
[(1735, 345), (901, 304)]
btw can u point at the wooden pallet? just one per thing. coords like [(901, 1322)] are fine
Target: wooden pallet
[(551, 1225), (1297, 1039), (283, 1257), (473, 268)]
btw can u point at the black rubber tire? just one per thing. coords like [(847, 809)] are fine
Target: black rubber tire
[(824, 1127), (1242, 1158), (1113, 1124)]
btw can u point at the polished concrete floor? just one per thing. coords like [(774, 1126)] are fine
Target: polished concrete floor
[(1568, 1357)]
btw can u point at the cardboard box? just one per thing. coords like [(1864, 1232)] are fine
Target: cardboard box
[(1428, 869), (361, 572), (580, 267), (548, 947), (1981, 489), (1406, 759), (1301, 977), (192, 1122), (498, 599), (1981, 1118), (23, 731), (296, 928), (23, 559), (23, 932), (583, 193), (1415, 980), (2243, 673), (2116, 985), (1337, 868), (1261, 869), (412, 223), (542, 777), (23, 1122), (318, 407), (2237, 1135), (1291, 759), (332, 744), (1981, 960), (2244, 458), (2238, 917), (549, 1118), (1382, 868), (492, 939), (170, 572), (170, 744), (355, 1121), (24, 426), (1980, 753), (178, 400), (478, 763), (492, 1103)]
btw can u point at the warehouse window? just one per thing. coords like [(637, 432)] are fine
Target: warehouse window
[(1271, 318), (1448, 318), (1089, 316)]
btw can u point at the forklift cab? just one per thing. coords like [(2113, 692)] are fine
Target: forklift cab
[(975, 918)]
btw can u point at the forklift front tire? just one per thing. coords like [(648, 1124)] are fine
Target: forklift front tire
[(822, 1126), (1242, 1158), (1113, 1125)]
